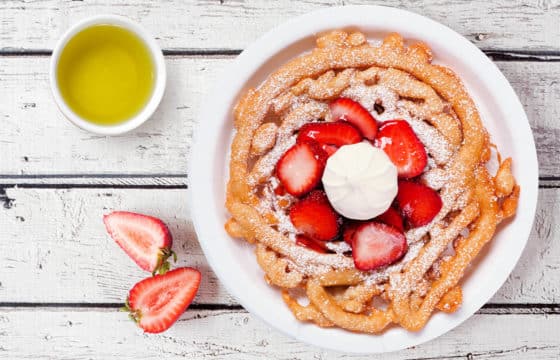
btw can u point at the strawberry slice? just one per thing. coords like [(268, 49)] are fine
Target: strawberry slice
[(312, 244), (157, 302), (418, 203), (355, 114), (403, 147), (314, 217), (391, 217), (350, 228), (301, 167), (144, 238), (332, 133), (279, 190), (375, 245), (329, 149)]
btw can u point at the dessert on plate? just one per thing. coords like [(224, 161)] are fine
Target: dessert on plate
[(358, 170)]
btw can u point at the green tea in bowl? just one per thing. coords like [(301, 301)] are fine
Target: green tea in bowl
[(107, 75)]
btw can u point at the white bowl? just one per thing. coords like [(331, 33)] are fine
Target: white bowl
[(234, 262), (157, 92)]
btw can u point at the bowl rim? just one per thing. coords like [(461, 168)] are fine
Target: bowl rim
[(159, 64), (201, 168)]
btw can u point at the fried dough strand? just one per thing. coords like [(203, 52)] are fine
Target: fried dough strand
[(445, 118)]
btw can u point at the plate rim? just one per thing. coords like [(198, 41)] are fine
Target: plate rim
[(272, 43)]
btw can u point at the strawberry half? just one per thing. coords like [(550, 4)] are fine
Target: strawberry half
[(314, 217), (375, 245), (391, 217), (312, 244), (144, 238), (329, 149), (350, 228), (157, 302), (419, 204), (403, 147), (332, 133), (355, 114), (301, 167)]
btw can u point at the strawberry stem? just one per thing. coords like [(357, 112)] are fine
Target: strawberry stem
[(163, 265), (126, 306), (133, 315)]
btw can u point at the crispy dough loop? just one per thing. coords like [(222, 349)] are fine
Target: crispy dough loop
[(356, 298), (373, 323), (305, 313), (276, 268), (235, 230), (264, 139), (445, 119), (327, 87), (451, 301), (504, 179)]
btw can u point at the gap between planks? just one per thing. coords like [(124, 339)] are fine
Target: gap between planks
[(487, 309), (495, 55), (130, 181)]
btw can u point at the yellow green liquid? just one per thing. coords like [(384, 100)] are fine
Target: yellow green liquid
[(106, 74)]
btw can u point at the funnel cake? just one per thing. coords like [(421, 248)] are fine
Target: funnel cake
[(391, 81)]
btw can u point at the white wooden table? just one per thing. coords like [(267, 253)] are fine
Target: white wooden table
[(62, 279)]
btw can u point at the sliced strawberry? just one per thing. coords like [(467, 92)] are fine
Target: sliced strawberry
[(391, 217), (355, 114), (301, 167), (144, 238), (279, 190), (403, 147), (329, 149), (314, 217), (157, 302), (332, 133), (312, 244), (350, 228), (418, 203), (375, 244)]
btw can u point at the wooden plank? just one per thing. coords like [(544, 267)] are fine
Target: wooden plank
[(52, 145), (524, 25), (235, 334), (54, 243), (54, 248), (159, 181)]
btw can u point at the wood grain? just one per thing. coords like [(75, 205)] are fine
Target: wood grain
[(208, 24), (63, 248), (234, 334), (61, 277), (55, 248), (38, 140)]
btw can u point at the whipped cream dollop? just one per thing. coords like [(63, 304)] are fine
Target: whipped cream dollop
[(360, 181)]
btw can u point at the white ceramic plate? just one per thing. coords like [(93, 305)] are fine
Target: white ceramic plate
[(234, 261)]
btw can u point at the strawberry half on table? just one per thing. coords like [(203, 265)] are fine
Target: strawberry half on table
[(157, 302), (144, 238)]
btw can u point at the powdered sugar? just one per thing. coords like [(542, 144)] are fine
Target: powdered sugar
[(269, 201), (384, 142), (435, 143), (435, 177), (380, 275), (301, 109), (339, 247)]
